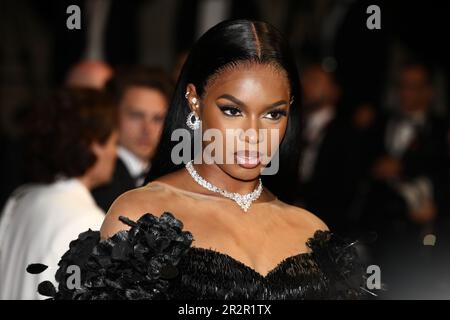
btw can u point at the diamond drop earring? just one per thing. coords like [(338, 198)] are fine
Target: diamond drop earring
[(194, 125)]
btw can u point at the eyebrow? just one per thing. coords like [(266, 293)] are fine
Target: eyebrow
[(239, 102)]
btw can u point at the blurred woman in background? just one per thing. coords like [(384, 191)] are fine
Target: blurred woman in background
[(72, 149)]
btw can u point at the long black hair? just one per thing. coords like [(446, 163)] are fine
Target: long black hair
[(229, 43)]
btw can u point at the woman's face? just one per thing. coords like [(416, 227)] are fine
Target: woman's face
[(249, 105)]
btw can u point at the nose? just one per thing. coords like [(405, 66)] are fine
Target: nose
[(250, 133)]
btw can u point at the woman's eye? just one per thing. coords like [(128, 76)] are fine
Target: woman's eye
[(276, 114), (230, 111)]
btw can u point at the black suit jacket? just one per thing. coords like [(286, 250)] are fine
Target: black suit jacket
[(121, 182), (330, 190), (426, 156)]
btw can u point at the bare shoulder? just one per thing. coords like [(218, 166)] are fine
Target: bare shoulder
[(307, 220), (155, 198), (133, 204)]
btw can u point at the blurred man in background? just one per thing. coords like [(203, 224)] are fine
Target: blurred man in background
[(143, 96), (409, 163), (328, 163), (409, 155)]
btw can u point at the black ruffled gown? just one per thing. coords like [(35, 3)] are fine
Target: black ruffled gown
[(155, 260)]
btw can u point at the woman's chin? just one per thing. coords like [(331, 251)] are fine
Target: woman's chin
[(240, 172)]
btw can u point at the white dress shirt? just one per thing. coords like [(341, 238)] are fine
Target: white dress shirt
[(400, 133), (135, 166), (36, 226)]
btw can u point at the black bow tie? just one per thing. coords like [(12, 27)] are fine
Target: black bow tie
[(139, 179)]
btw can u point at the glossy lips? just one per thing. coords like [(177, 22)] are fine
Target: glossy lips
[(247, 159)]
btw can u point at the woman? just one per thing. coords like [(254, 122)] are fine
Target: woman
[(241, 241), (72, 144)]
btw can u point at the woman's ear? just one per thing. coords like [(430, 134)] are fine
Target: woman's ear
[(192, 98)]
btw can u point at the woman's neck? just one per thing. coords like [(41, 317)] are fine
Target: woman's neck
[(86, 181)]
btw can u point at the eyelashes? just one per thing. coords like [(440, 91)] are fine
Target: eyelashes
[(232, 111), (277, 114)]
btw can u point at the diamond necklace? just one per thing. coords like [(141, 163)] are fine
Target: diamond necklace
[(243, 200)]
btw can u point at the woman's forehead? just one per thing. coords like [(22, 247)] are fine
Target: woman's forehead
[(251, 76)]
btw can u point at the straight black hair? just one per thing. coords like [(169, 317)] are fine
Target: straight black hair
[(229, 43)]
